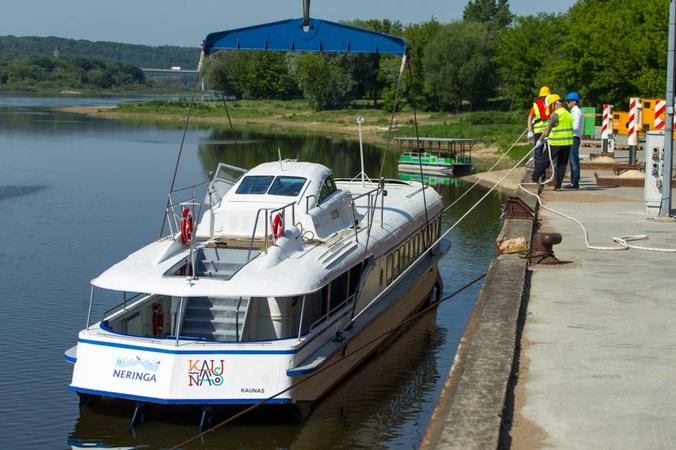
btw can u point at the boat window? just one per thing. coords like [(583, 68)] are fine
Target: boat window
[(255, 184), (328, 188), (287, 186), (338, 291)]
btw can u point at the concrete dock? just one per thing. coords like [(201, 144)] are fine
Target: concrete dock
[(575, 355)]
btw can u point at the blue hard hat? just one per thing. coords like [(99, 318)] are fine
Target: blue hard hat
[(573, 96)]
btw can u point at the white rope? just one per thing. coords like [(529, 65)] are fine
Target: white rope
[(622, 241), (490, 170)]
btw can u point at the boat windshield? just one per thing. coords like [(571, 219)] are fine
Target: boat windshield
[(255, 184), (264, 184), (287, 186)]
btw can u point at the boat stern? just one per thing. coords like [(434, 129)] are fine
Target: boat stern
[(190, 373)]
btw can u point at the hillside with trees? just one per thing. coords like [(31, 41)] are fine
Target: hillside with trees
[(607, 50), (47, 73), (37, 64), (145, 56)]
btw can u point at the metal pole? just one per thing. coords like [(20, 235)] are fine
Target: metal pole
[(360, 120), (665, 207)]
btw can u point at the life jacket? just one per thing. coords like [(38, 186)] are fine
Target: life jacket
[(562, 134), (540, 117)]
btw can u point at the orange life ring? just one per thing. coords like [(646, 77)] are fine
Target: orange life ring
[(277, 225), (186, 226)]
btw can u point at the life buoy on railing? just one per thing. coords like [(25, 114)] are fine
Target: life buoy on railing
[(277, 225), (186, 226), (158, 319)]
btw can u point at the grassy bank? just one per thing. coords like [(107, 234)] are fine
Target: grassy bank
[(496, 131)]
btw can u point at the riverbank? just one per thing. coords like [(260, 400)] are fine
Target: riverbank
[(340, 125)]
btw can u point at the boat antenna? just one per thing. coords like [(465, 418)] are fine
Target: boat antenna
[(360, 120), (180, 149)]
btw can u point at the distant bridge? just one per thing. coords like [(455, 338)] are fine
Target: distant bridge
[(177, 71)]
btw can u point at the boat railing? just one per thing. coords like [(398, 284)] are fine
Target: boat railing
[(122, 306), (269, 213), (178, 198), (325, 317), (307, 202), (372, 198)]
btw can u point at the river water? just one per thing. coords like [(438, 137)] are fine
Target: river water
[(79, 193)]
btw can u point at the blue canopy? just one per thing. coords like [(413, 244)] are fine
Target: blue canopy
[(318, 36)]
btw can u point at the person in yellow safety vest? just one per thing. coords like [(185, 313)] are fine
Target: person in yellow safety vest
[(559, 135), (537, 120)]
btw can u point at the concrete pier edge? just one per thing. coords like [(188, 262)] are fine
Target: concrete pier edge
[(472, 410)]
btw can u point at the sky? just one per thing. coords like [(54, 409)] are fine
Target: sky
[(185, 23)]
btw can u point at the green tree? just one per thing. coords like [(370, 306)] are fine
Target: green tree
[(323, 80), (616, 49), (458, 65), (524, 54), (495, 14), (267, 76), (418, 37)]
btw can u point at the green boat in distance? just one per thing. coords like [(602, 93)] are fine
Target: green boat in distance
[(451, 156), (439, 162)]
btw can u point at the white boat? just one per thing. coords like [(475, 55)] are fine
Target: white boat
[(271, 286)]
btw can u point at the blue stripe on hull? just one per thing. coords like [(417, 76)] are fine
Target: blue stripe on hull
[(196, 401), (187, 352)]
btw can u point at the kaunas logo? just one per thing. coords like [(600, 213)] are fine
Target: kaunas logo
[(207, 371)]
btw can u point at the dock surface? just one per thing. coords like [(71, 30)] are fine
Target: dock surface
[(579, 354)]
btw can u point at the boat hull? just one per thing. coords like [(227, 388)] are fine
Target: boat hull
[(360, 345), (173, 372)]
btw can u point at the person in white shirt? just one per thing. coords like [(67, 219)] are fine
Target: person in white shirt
[(573, 100)]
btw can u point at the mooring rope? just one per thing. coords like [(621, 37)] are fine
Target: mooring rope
[(347, 355), (621, 240)]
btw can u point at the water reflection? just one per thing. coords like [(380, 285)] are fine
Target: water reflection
[(429, 179), (376, 407), (251, 148)]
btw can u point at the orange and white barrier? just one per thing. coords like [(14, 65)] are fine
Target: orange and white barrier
[(607, 129), (634, 121), (606, 124), (660, 109)]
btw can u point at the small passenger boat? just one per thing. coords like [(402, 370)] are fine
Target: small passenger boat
[(270, 285), (431, 162), (436, 155)]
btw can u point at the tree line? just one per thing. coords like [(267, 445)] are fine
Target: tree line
[(607, 50), (145, 56), (46, 73)]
